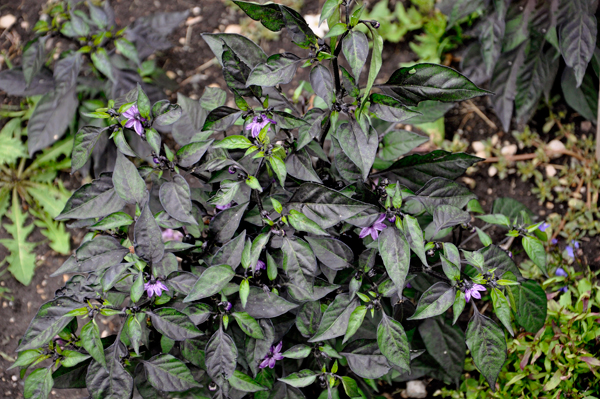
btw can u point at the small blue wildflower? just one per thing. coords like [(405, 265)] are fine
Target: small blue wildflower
[(560, 272)]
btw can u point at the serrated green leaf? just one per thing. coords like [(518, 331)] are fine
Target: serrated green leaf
[(21, 260)]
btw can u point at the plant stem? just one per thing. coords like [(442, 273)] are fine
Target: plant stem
[(255, 192)]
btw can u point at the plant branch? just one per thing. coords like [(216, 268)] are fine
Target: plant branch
[(487, 120), (524, 157), (429, 271), (255, 192), (334, 64)]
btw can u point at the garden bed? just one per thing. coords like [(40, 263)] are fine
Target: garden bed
[(187, 63)]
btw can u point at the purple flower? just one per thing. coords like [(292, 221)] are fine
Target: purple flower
[(134, 120), (231, 169), (563, 289), (223, 207), (271, 357), (374, 229), (408, 285), (228, 306), (155, 287), (258, 123), (156, 160), (570, 252), (571, 248), (260, 265), (171, 235), (560, 272), (58, 340), (392, 219), (554, 241), (473, 291), (543, 226)]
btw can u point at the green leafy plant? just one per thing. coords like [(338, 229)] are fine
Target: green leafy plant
[(31, 189), (562, 357), (520, 46), (273, 230)]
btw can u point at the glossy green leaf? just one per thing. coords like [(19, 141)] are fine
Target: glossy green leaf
[(431, 82), (169, 374), (248, 324), (174, 324), (127, 181), (38, 384), (212, 280), (536, 252), (395, 252), (300, 379), (355, 47), (530, 301), (393, 343), (486, 342), (435, 301)]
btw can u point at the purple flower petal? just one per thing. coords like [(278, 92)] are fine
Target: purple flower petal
[(223, 207), (575, 244), (467, 295), (131, 112), (570, 253), (479, 287), (139, 128), (560, 272), (554, 241), (172, 235), (260, 265), (374, 234), (272, 362), (563, 289), (264, 363), (476, 294), (379, 226), (543, 226), (162, 286), (129, 123), (278, 347), (365, 232)]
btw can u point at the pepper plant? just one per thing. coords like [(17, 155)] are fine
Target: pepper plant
[(519, 49), (263, 255), (99, 60)]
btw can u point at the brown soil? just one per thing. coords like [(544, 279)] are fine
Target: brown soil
[(20, 304)]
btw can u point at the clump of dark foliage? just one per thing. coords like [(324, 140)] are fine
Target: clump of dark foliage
[(265, 256), (520, 47)]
